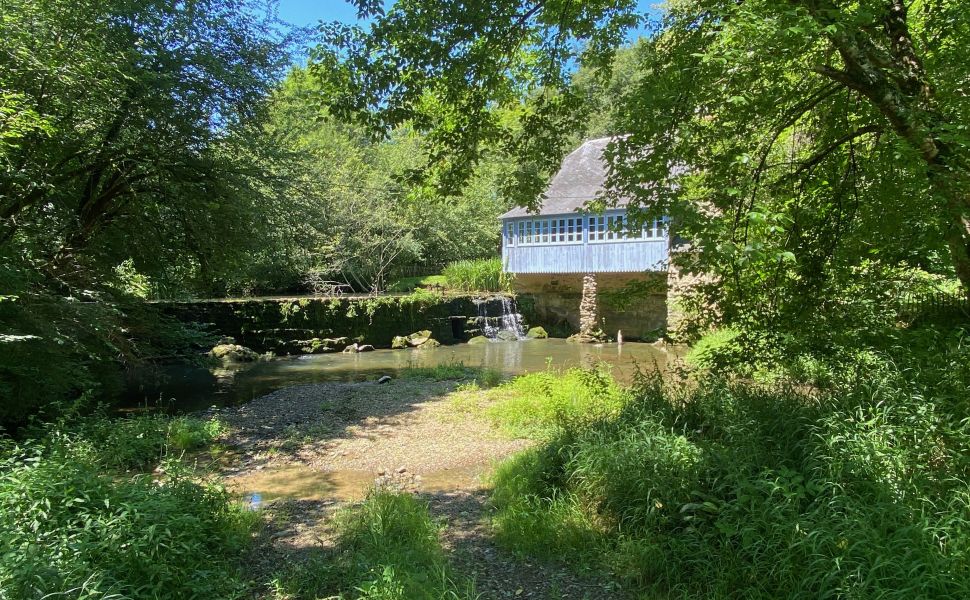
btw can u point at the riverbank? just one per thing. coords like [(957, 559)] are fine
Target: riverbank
[(305, 452)]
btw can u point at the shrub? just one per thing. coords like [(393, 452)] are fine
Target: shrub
[(719, 489), (68, 527), (714, 349), (482, 275)]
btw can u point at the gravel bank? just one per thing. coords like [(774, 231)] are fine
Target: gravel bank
[(310, 449)]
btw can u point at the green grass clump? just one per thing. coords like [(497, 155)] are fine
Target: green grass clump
[(540, 404), (72, 527), (387, 548), (715, 488), (708, 350), (409, 284), (481, 275), (454, 371), (139, 442)]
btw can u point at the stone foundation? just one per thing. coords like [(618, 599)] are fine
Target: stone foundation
[(635, 303)]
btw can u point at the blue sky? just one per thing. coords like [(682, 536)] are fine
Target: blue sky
[(311, 12)]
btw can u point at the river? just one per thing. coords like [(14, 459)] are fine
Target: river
[(186, 388)]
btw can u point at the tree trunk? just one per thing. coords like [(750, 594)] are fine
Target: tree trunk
[(890, 74)]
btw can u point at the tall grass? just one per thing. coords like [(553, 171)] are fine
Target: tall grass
[(480, 275), (387, 548), (726, 489), (74, 524), (541, 404)]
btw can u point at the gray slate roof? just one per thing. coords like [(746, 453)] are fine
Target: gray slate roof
[(579, 180)]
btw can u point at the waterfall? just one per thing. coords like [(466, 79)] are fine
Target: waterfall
[(508, 321), (511, 319)]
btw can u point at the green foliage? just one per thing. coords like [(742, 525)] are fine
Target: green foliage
[(70, 525), (456, 371), (409, 284), (707, 488), (387, 549), (362, 214), (714, 349), (133, 443), (138, 148), (56, 351), (483, 275), (515, 48), (127, 171), (541, 404), (867, 310)]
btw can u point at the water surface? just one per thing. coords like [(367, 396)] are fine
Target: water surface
[(188, 388)]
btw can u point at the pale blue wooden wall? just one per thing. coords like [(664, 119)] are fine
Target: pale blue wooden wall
[(623, 256)]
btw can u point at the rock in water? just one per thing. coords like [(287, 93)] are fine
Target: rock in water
[(430, 343), (233, 353), (419, 338), (351, 349), (537, 333), (399, 342), (478, 339), (507, 336), (365, 348)]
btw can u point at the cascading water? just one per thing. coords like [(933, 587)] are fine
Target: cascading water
[(509, 320)]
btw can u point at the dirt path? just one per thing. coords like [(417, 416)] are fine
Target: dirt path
[(308, 450)]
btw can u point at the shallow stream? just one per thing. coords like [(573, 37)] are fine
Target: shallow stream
[(186, 388)]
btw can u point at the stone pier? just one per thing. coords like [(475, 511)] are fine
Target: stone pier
[(589, 329)]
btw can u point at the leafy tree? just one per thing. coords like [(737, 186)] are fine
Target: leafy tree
[(445, 66), (798, 144), (364, 215), (137, 112), (126, 151)]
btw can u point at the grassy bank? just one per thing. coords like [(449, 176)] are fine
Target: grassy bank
[(718, 488), (83, 516), (468, 276)]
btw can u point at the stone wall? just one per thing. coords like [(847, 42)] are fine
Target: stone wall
[(688, 295), (302, 325), (632, 302)]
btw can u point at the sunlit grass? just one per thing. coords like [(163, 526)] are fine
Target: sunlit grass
[(728, 489), (481, 275), (387, 547)]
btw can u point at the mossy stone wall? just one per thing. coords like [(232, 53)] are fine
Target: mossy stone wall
[(291, 326)]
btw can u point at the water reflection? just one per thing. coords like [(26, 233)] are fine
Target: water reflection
[(187, 388)]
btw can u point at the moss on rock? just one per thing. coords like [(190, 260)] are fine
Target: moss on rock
[(537, 333), (233, 353)]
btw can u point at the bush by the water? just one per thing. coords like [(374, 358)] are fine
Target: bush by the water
[(713, 488), (387, 548), (72, 526), (482, 275)]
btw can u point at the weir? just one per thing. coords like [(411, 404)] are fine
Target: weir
[(508, 320), (321, 325)]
